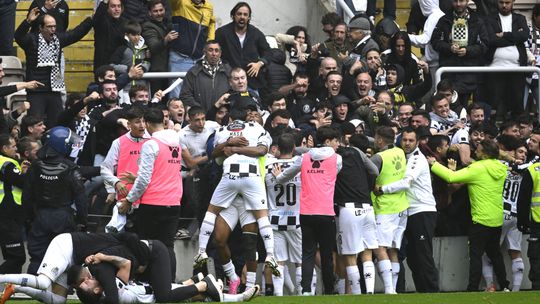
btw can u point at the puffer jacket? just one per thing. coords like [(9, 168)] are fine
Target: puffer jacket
[(277, 74)]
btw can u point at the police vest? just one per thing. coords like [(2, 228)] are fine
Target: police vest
[(534, 170), (15, 191), (393, 170)]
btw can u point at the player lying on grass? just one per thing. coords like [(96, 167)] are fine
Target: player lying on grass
[(198, 287)]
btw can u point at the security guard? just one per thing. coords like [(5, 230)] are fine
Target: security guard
[(53, 184), (11, 212), (528, 210)]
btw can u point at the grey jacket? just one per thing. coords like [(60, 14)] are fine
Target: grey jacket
[(199, 88)]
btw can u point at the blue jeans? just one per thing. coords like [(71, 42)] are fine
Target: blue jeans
[(179, 63)]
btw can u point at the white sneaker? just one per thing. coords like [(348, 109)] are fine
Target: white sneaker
[(200, 259), (251, 293), (271, 262)]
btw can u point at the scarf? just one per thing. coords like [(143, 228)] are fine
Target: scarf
[(451, 120), (49, 54), (82, 128), (210, 69), (460, 30)]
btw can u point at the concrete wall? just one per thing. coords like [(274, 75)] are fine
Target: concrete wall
[(450, 254), (277, 16)]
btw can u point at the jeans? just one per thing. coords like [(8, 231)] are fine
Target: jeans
[(179, 63)]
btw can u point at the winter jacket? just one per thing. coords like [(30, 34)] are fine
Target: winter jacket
[(154, 34), (195, 23), (476, 49), (29, 43), (485, 182), (199, 88), (277, 74)]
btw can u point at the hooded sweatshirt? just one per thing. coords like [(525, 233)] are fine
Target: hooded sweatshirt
[(149, 153), (322, 205), (485, 183), (430, 9)]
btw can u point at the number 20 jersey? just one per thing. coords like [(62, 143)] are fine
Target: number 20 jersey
[(284, 198)]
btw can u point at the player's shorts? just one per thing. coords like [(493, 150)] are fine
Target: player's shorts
[(356, 229), (58, 258), (390, 229), (237, 212), (288, 245), (510, 235), (251, 189)]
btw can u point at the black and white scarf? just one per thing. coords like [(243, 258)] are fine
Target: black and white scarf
[(211, 69), (82, 128), (49, 54)]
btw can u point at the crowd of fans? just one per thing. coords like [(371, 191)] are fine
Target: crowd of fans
[(363, 82)]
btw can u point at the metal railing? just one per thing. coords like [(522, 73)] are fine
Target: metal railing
[(347, 12), (149, 75), (486, 69)]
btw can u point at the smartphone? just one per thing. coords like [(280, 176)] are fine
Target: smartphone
[(328, 115)]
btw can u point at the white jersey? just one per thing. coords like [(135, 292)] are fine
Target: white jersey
[(137, 292), (134, 292), (195, 142), (511, 192), (256, 135), (283, 198)]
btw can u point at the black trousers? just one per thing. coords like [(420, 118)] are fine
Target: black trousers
[(507, 91), (533, 252), (159, 223), (7, 28), (48, 223), (318, 230), (12, 245), (159, 276), (419, 233), (485, 239), (47, 105)]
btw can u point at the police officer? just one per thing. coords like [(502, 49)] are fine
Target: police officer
[(53, 184), (528, 209), (11, 212)]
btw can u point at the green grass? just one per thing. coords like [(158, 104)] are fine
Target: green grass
[(524, 297), (440, 298)]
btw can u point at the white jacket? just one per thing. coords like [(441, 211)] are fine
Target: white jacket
[(417, 182), (430, 9)]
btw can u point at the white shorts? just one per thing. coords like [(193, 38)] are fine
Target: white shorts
[(251, 189), (58, 258), (510, 235), (390, 229), (237, 212), (356, 229), (288, 245)]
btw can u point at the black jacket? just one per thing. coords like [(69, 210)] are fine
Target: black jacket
[(29, 42), (354, 182), (53, 181), (255, 49), (518, 36), (277, 74), (476, 47), (108, 35), (60, 14)]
